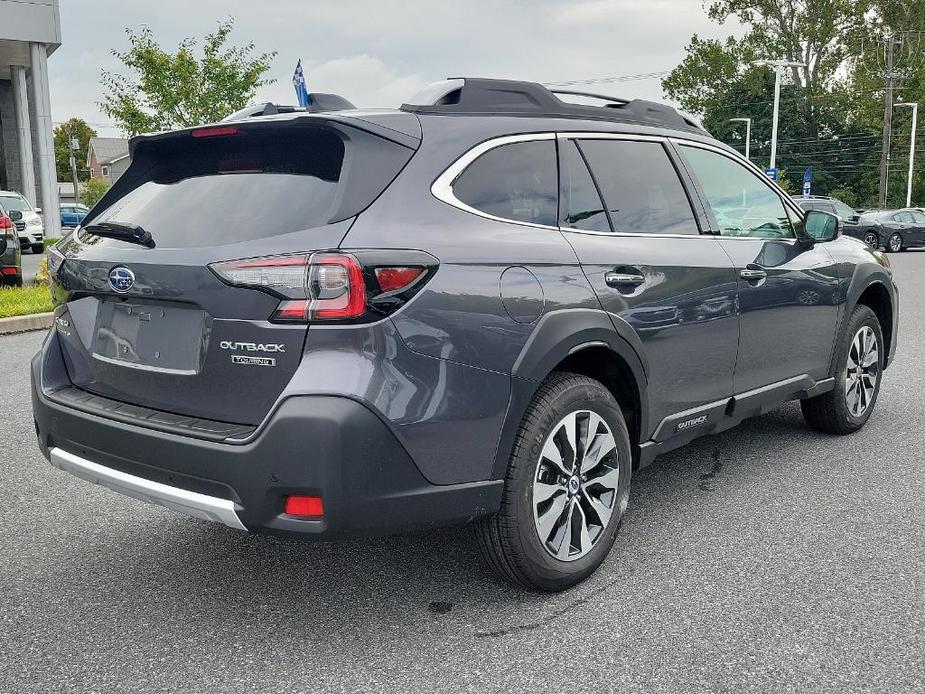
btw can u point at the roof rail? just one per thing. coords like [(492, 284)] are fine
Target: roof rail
[(510, 97), (317, 103)]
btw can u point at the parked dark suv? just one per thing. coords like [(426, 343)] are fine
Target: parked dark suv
[(490, 305)]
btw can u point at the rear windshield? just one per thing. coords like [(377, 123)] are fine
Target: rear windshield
[(212, 191)]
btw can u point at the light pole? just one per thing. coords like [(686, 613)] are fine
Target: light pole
[(748, 132), (778, 66), (915, 117)]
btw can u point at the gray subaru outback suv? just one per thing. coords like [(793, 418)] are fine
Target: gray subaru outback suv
[(491, 305)]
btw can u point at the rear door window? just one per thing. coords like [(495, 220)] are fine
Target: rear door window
[(641, 189), (581, 203), (516, 182), (263, 182)]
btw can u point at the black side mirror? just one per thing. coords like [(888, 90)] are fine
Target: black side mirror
[(855, 218), (15, 215), (822, 226)]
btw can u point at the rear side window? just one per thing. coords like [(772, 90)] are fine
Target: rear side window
[(263, 182), (640, 186), (516, 182)]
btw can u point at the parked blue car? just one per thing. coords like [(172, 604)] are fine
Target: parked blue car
[(72, 215)]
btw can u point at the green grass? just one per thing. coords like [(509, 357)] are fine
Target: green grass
[(50, 241), (15, 301)]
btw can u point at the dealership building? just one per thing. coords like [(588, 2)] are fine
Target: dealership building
[(29, 33)]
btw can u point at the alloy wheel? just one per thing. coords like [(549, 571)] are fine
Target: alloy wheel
[(872, 240), (861, 371), (575, 485), (896, 243)]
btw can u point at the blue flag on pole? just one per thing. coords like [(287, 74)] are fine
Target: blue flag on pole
[(808, 180), (298, 81)]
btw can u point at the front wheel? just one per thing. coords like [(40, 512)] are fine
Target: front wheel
[(566, 488), (895, 243), (847, 407), (872, 240), (38, 248)]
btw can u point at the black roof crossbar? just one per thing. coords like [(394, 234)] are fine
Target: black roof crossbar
[(477, 96), (317, 103)]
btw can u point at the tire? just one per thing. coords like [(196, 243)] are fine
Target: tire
[(510, 541), (833, 412), (872, 240), (895, 243), (38, 248)]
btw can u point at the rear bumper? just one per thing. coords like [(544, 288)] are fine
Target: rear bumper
[(327, 446), (191, 503)]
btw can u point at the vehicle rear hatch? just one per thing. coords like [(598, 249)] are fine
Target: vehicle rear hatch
[(154, 326)]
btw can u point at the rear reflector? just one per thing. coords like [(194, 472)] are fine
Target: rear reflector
[(392, 279), (220, 131), (10, 271), (310, 506)]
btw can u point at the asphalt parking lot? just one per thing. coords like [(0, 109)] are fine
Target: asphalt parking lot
[(766, 559)]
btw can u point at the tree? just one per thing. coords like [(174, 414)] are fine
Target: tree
[(817, 125), (175, 90), (74, 127), (92, 190)]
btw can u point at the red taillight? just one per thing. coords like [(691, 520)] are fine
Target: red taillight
[(217, 131), (336, 287), (323, 286), (9, 271), (391, 279), (5, 222), (306, 506)]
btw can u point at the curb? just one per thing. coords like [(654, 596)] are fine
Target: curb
[(21, 324)]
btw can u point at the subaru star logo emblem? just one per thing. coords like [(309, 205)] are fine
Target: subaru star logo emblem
[(121, 279)]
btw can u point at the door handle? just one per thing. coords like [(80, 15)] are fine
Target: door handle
[(623, 279), (752, 274)]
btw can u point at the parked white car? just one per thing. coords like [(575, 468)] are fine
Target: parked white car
[(31, 228)]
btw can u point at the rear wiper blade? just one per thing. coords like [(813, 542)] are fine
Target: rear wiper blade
[(122, 231)]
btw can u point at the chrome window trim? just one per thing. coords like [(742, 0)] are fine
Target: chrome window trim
[(442, 188)]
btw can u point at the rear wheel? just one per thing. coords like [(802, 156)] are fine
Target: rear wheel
[(872, 240), (847, 407), (566, 488), (895, 243)]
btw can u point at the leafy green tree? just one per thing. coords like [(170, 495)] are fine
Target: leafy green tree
[(173, 90), (92, 190), (829, 118), (71, 128)]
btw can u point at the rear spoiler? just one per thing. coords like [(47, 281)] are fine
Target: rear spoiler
[(408, 136), (317, 103)]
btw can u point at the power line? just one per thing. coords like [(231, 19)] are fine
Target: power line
[(615, 78)]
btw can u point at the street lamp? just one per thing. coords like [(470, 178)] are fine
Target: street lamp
[(748, 132), (915, 117), (778, 66)]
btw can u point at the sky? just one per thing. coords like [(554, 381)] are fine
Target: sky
[(378, 54)]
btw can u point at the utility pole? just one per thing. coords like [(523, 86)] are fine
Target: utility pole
[(888, 76), (915, 118), (748, 133), (75, 146), (779, 67)]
